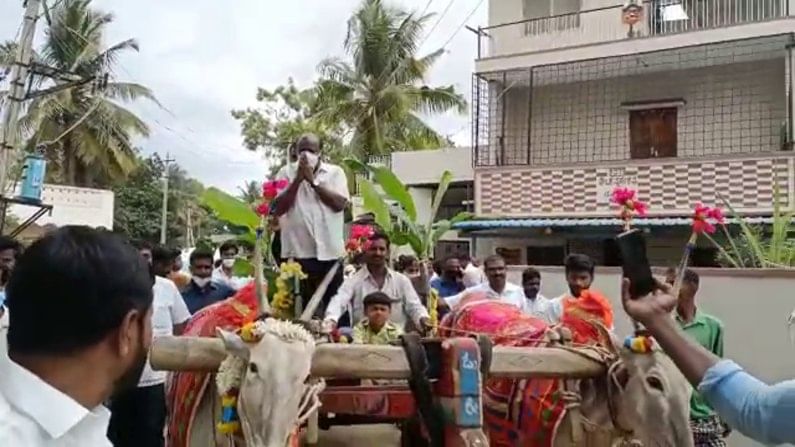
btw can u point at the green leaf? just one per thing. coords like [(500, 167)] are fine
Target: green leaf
[(750, 236), (395, 190), (230, 209), (242, 268), (441, 190), (374, 203)]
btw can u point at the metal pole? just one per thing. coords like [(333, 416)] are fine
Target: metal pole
[(164, 215), (9, 127)]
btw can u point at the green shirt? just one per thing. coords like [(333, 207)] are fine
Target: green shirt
[(362, 333), (707, 331)]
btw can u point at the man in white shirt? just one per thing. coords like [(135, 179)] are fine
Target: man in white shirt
[(376, 276), (535, 303), (80, 307), (311, 216), (495, 287), (473, 275), (139, 414), (223, 273)]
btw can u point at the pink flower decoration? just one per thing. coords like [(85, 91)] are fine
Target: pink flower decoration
[(705, 218), (359, 232), (272, 188), (263, 209), (625, 198)]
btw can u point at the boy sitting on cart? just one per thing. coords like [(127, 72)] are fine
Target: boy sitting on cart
[(375, 328)]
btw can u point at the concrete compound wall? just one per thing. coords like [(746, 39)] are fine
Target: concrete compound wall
[(753, 305)]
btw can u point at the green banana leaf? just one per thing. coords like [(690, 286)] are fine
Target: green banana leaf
[(376, 204), (230, 209)]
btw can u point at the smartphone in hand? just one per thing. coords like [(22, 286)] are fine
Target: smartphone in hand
[(635, 264)]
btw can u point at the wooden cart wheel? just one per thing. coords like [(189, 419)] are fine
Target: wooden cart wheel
[(411, 433)]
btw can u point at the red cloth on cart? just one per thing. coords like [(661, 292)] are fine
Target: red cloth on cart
[(521, 413)]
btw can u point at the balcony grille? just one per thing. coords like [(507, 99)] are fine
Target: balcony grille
[(734, 101)]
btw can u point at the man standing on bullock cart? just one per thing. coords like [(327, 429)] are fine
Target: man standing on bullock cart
[(311, 217)]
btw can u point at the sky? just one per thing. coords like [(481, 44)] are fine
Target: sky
[(203, 58)]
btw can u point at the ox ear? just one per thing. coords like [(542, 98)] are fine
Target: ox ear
[(607, 338), (233, 343)]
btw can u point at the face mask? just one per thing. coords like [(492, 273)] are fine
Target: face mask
[(312, 158), (201, 282), (228, 263)]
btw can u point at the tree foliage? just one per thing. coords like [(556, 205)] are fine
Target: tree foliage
[(86, 131), (367, 103), (139, 201)]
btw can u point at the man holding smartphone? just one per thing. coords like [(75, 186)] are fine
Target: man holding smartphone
[(708, 430), (311, 214), (760, 411)]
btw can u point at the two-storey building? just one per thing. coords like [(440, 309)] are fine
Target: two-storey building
[(683, 100)]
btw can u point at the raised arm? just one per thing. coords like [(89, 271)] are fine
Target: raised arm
[(334, 194), (286, 199), (759, 411)]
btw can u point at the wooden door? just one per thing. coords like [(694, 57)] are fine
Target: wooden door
[(652, 133)]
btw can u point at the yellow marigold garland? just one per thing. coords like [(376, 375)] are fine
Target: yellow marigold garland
[(433, 309), (286, 289), (228, 380)]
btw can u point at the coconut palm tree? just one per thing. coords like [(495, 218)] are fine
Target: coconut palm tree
[(380, 91), (250, 192), (85, 131)]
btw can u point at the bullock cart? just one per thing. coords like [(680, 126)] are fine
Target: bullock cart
[(445, 379)]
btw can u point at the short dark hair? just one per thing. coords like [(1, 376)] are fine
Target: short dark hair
[(530, 273), (577, 262), (200, 253), (141, 244), (404, 262), (380, 236), (691, 277), (492, 258), (9, 243), (72, 288), (162, 254), (377, 298), (229, 245)]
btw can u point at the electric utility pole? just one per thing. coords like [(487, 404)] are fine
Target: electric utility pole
[(9, 127), (164, 215)]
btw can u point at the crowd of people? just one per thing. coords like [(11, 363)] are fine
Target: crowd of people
[(79, 308)]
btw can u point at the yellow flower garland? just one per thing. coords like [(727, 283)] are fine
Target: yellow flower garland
[(286, 289), (433, 309)]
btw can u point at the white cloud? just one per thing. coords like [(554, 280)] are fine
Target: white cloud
[(204, 57)]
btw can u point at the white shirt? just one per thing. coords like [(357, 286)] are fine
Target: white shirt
[(537, 307), (168, 309), (34, 414), (4, 331), (511, 294), (219, 275), (310, 229), (405, 301), (473, 276)]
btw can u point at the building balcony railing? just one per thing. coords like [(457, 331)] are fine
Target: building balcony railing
[(669, 186), (606, 24)]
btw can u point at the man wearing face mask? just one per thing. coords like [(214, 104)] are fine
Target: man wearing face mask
[(223, 274), (79, 333), (202, 290), (311, 217)]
